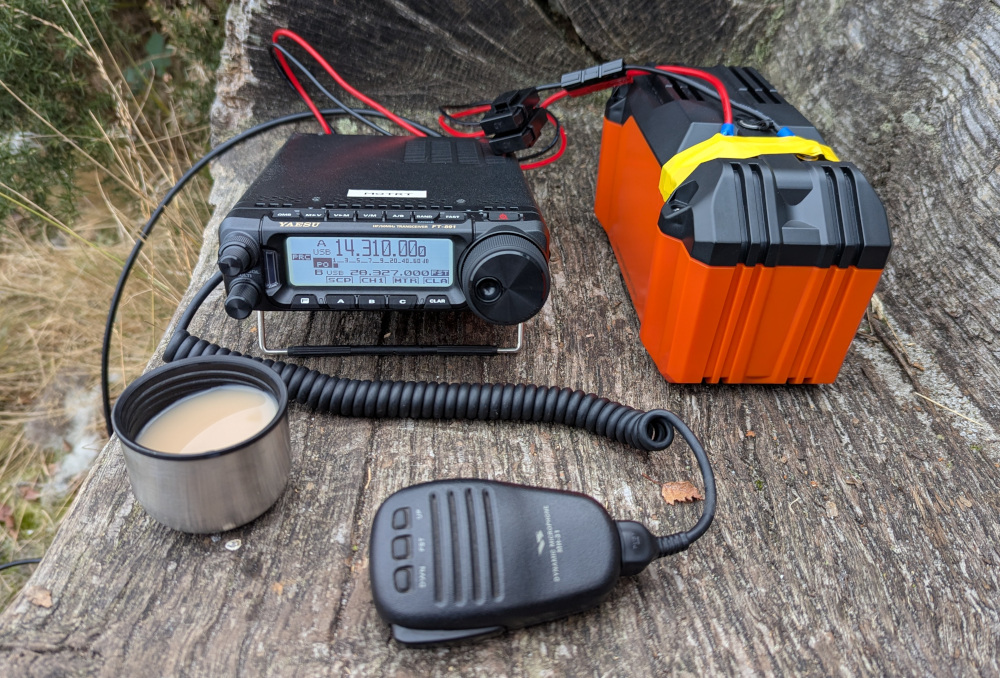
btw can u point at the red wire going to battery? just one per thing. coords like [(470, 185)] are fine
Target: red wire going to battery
[(555, 156), (720, 88), (727, 107), (286, 33), (479, 133)]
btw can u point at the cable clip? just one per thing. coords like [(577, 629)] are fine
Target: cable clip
[(514, 121)]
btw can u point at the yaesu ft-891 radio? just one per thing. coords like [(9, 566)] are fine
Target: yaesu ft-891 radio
[(342, 222)]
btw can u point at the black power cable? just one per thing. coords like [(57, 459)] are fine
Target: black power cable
[(329, 95)]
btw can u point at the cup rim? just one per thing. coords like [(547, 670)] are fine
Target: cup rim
[(198, 364)]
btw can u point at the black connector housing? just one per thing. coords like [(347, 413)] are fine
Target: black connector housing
[(611, 70), (510, 111), (514, 121)]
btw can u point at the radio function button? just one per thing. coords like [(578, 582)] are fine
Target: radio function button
[(284, 214), (504, 216), (370, 215), (315, 215), (421, 215), (399, 215), (401, 518), (343, 302), (401, 578), (402, 302), (340, 215), (371, 302), (401, 548), (304, 301), (437, 301), (453, 217)]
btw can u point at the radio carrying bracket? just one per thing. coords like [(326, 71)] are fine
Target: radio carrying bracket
[(411, 350)]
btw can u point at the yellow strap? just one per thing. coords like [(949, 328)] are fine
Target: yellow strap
[(679, 167)]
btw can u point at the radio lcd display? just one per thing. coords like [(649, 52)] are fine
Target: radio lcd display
[(330, 261)]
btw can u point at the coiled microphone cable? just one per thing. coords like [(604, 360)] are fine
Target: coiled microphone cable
[(650, 431)]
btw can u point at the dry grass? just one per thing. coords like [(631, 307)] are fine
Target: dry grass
[(54, 291)]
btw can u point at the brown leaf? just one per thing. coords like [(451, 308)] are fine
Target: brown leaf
[(7, 516), (683, 492), (29, 493), (751, 434), (39, 596)]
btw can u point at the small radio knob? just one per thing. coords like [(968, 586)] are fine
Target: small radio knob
[(244, 295), (238, 254), (505, 279)]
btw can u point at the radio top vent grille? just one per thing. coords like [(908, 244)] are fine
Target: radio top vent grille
[(449, 151)]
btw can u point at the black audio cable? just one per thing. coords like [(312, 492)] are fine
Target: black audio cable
[(144, 233), (19, 563)]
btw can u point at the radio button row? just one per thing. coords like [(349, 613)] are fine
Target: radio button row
[(438, 301), (305, 301), (402, 301), (344, 302), (399, 215), (425, 216), (284, 214), (370, 215), (340, 215), (453, 217), (371, 301)]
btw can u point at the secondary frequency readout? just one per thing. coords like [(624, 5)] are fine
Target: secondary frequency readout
[(369, 262)]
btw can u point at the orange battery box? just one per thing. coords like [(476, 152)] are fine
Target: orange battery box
[(749, 258)]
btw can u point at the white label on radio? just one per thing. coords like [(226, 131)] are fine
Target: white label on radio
[(361, 193)]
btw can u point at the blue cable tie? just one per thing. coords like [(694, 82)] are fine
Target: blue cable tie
[(785, 132), (728, 130)]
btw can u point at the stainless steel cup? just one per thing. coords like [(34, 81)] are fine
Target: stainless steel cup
[(212, 491)]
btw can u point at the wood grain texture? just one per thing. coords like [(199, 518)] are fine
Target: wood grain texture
[(857, 527), (671, 31)]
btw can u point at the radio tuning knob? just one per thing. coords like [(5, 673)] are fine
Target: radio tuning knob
[(505, 279), (244, 295), (238, 254)]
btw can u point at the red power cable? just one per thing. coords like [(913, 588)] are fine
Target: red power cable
[(727, 107), (563, 141), (482, 109), (286, 33), (720, 88), (555, 156), (461, 114), (302, 91)]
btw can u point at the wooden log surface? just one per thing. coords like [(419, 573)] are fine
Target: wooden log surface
[(857, 527)]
